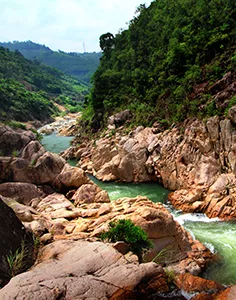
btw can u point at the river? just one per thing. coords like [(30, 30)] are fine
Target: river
[(219, 237)]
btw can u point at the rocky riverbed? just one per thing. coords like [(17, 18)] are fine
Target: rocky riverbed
[(66, 211), (196, 160)]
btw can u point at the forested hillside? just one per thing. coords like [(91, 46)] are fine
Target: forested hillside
[(80, 65), (164, 65), (28, 91)]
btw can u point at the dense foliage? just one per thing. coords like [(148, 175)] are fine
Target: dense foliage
[(79, 65), (152, 67), (28, 91), (126, 231)]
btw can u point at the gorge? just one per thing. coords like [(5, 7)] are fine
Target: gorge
[(217, 235)]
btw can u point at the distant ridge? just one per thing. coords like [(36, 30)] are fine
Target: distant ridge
[(29, 91), (80, 65)]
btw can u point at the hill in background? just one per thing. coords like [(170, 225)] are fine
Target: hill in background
[(80, 65), (29, 91)]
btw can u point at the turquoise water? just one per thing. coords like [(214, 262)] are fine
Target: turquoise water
[(218, 236), (56, 143), (116, 190)]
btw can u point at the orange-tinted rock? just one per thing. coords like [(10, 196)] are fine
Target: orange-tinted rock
[(192, 284)]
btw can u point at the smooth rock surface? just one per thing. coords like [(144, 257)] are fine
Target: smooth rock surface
[(79, 270)]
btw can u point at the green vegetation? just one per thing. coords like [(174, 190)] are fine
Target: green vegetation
[(165, 253), (133, 236), (29, 91), (16, 125), (154, 67), (79, 65), (17, 262)]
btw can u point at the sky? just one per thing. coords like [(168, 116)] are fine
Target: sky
[(67, 25)]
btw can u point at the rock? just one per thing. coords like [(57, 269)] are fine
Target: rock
[(54, 202), (70, 177), (47, 238), (222, 83), (23, 212), (232, 114), (76, 270), (14, 140), (89, 193), (188, 160), (65, 126), (119, 118), (12, 236), (32, 152), (121, 247), (20, 191), (193, 284)]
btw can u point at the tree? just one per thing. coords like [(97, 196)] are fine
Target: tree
[(106, 41)]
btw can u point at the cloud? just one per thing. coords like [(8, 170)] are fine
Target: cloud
[(64, 24)]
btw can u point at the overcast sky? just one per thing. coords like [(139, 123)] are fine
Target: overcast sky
[(64, 24)]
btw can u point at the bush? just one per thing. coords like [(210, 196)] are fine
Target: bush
[(133, 236)]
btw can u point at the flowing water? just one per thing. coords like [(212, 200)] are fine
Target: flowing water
[(56, 143), (219, 237)]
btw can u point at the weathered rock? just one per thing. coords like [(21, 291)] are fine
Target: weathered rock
[(188, 160), (232, 114), (70, 177), (193, 284), (20, 191), (23, 212), (12, 236), (14, 140), (63, 125), (90, 193), (119, 118), (79, 270)]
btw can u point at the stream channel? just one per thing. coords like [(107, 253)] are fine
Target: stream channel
[(219, 237)]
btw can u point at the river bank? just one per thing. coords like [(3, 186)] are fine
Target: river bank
[(216, 235), (61, 205)]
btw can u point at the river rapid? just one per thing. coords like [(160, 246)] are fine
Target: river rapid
[(219, 237)]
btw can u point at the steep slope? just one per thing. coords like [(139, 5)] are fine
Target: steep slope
[(80, 65), (163, 66), (28, 91)]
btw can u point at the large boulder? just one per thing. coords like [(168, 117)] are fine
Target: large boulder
[(22, 192), (13, 141), (79, 270), (88, 219), (13, 238)]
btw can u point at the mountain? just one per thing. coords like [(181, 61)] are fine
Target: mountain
[(29, 91), (80, 65), (163, 67)]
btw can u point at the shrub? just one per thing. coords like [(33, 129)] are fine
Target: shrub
[(134, 236)]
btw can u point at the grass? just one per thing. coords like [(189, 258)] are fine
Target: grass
[(16, 261), (15, 153), (164, 254)]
